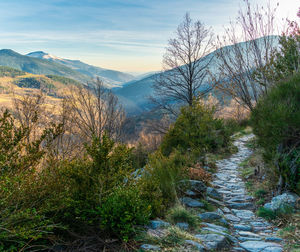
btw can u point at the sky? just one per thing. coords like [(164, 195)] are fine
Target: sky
[(123, 35)]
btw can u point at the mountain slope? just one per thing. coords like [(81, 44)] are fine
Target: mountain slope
[(134, 94), (112, 77), (39, 66)]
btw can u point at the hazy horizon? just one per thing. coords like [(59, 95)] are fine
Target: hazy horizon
[(128, 36)]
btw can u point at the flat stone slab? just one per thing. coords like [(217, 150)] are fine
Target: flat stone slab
[(191, 202), (216, 227), (273, 239), (155, 224), (232, 217), (248, 234), (243, 214), (195, 244), (210, 216), (213, 241), (242, 227), (260, 246), (245, 205), (150, 247)]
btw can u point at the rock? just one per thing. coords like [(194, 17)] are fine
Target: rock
[(226, 210), (222, 220), (237, 249), (155, 224), (157, 233), (280, 201), (150, 247), (195, 244), (230, 237), (245, 205), (244, 214), (213, 241), (242, 227), (183, 225), (232, 217), (216, 227), (215, 202), (248, 234), (260, 246), (190, 193), (213, 193), (210, 216), (273, 239), (243, 239), (194, 185), (191, 202)]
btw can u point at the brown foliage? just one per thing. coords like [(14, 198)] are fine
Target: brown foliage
[(198, 173)]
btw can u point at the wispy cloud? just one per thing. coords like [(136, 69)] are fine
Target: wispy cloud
[(124, 34)]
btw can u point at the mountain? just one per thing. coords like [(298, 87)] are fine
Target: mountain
[(32, 65), (111, 77), (134, 94)]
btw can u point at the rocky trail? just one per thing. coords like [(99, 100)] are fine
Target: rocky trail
[(249, 232), (234, 226)]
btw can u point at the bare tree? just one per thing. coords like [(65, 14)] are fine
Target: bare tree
[(95, 111), (29, 110), (185, 66), (237, 64)]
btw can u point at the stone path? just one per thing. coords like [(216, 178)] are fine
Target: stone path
[(250, 233)]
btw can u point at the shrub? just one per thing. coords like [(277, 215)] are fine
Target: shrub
[(122, 210), (166, 172), (272, 215), (180, 214), (276, 122), (196, 128)]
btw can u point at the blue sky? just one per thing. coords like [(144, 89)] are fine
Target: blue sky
[(124, 35)]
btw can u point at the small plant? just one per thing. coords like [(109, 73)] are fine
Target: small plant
[(181, 214), (260, 193), (266, 213)]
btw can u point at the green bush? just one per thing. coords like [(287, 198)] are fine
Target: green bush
[(272, 215), (123, 210), (276, 122), (180, 214), (166, 172), (196, 128)]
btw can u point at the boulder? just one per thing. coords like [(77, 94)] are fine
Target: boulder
[(191, 202), (280, 201)]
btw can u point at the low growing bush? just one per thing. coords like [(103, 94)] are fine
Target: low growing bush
[(196, 128), (123, 210)]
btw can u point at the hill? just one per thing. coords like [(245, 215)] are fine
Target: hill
[(111, 77), (32, 65), (14, 83)]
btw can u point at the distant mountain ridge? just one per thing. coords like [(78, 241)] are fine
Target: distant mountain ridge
[(134, 94), (112, 77), (28, 64)]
